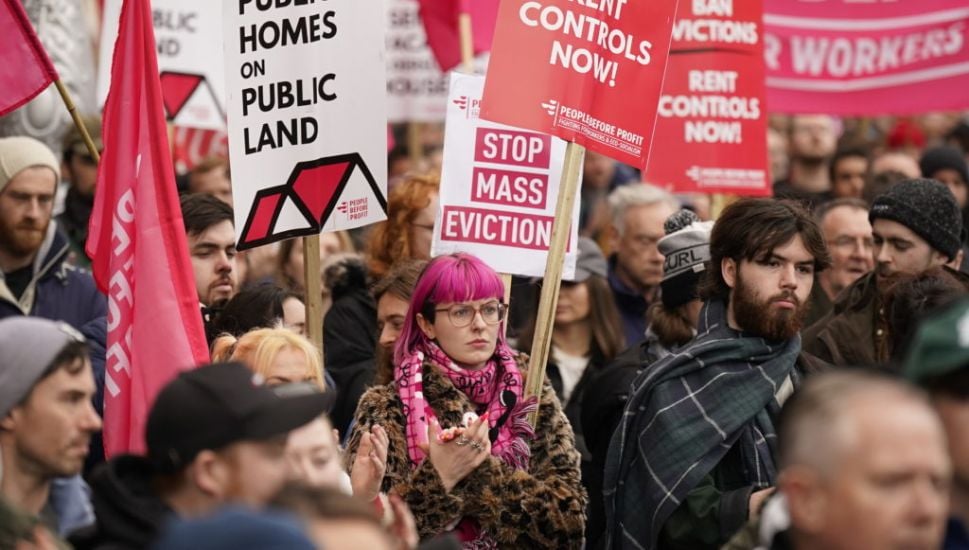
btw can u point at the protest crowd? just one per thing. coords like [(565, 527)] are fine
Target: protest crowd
[(788, 370)]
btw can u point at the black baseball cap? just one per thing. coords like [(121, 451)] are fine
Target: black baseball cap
[(216, 405)]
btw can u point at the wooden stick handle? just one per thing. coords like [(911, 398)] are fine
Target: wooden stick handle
[(467, 39), (314, 291), (415, 148), (78, 122), (506, 280), (561, 229)]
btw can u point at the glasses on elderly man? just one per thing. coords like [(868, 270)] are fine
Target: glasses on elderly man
[(461, 315)]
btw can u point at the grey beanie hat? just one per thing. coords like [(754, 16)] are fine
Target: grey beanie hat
[(28, 346), (686, 250), (925, 206), (19, 152)]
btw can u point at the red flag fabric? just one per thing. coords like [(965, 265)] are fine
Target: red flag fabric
[(440, 19), (137, 242), (25, 69)]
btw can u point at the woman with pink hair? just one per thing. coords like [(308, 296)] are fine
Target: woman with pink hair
[(462, 453)]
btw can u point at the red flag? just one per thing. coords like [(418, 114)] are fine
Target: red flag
[(138, 244), (25, 69), (440, 19)]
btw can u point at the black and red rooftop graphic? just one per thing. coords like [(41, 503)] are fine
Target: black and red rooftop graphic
[(314, 187), (178, 88)]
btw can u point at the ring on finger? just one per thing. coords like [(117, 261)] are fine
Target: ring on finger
[(464, 441), (477, 446)]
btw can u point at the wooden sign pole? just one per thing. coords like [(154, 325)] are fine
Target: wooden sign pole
[(561, 226), (78, 122), (466, 37), (314, 291)]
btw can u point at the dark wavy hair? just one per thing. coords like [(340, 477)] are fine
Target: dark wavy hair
[(750, 228)]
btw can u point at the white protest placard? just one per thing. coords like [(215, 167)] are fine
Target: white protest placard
[(416, 87), (499, 186), (188, 39), (307, 116), (417, 90)]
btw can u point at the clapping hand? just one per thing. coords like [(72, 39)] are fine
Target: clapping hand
[(455, 458), (370, 464)]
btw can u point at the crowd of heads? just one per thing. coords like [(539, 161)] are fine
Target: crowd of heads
[(868, 219)]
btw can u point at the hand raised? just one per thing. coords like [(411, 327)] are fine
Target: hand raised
[(370, 464)]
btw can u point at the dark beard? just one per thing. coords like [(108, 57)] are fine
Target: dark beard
[(758, 317)]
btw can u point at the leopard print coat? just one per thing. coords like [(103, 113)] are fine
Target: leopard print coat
[(541, 508)]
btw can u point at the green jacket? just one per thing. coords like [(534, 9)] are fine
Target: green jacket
[(18, 526)]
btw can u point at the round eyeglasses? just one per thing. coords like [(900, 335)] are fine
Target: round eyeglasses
[(462, 315)]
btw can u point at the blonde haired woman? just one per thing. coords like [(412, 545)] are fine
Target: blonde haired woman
[(280, 355)]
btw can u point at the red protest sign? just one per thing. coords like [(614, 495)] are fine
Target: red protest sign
[(712, 123), (867, 58), (587, 71)]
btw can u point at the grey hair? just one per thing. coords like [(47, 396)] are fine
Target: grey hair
[(813, 419), (636, 194)]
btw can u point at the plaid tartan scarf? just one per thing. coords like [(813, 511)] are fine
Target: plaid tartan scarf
[(684, 413)]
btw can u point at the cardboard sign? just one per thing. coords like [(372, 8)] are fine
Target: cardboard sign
[(712, 125), (188, 41), (307, 140), (499, 186), (416, 87), (588, 72), (867, 58)]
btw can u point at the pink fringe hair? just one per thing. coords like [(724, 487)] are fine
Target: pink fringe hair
[(452, 278)]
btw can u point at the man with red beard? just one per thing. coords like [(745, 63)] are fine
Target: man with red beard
[(35, 278), (694, 455), (916, 225)]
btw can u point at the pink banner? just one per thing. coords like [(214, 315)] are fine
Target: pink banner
[(876, 57)]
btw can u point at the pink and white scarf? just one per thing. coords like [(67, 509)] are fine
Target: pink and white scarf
[(497, 386)]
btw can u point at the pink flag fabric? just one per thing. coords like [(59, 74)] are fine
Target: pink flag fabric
[(440, 19), (25, 69), (137, 242)]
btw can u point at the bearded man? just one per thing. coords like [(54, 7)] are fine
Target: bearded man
[(694, 455), (916, 226), (35, 276)]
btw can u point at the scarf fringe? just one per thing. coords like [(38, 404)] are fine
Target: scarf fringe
[(518, 453)]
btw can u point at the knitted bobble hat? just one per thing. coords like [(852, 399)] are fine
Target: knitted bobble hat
[(925, 206)]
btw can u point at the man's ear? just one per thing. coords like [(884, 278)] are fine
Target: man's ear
[(209, 473), (806, 498), (955, 263), (9, 421), (728, 269), (614, 234), (426, 327)]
